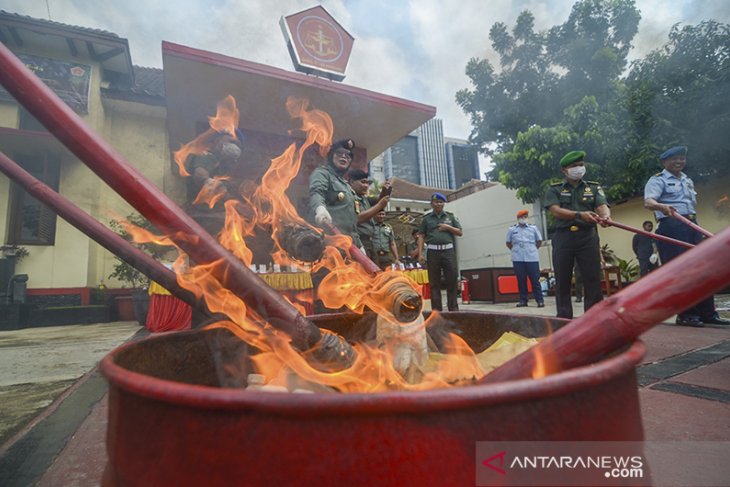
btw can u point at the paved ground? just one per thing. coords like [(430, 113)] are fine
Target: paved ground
[(53, 400)]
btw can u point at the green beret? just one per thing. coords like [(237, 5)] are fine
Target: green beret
[(571, 157)]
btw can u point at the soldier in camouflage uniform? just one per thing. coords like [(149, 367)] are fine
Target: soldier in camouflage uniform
[(385, 252)]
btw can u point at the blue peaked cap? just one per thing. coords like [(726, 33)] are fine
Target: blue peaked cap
[(438, 196), (679, 149)]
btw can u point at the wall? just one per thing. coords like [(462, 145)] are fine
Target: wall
[(633, 213), (485, 217)]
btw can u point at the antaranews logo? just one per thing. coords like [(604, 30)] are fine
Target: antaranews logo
[(499, 456), (559, 463)]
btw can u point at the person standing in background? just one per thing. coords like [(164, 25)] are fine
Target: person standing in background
[(439, 230), (643, 249), (523, 239), (385, 252), (672, 190)]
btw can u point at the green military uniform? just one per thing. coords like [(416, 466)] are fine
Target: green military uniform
[(329, 189), (576, 242), (383, 235), (365, 229), (441, 256)]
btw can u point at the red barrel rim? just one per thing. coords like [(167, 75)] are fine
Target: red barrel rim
[(311, 405)]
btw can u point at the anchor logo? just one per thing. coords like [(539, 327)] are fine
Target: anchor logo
[(500, 456)]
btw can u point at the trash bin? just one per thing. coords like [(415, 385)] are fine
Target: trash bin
[(17, 288)]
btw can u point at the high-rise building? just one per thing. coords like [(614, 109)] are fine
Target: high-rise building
[(463, 162), (427, 158)]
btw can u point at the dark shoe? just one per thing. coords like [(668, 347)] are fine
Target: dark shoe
[(578, 300), (693, 321), (715, 320), (521, 305), (540, 305)]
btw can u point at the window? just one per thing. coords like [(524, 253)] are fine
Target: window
[(29, 122), (31, 222)]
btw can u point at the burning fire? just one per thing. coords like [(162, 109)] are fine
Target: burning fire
[(347, 283)]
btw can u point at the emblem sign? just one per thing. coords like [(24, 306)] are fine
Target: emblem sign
[(317, 43)]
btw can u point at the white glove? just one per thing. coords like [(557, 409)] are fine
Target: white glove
[(321, 215)]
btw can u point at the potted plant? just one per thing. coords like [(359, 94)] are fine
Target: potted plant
[(135, 305)]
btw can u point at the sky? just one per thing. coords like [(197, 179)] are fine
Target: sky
[(413, 49)]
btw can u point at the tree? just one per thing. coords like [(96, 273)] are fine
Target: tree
[(544, 73), (680, 94), (502, 104)]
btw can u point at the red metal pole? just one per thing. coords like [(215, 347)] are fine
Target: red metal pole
[(101, 234), (150, 201), (648, 234), (691, 224), (358, 255), (619, 320)]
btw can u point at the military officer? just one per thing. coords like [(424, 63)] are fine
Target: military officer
[(331, 198), (670, 190), (577, 206), (439, 230), (385, 252), (365, 211)]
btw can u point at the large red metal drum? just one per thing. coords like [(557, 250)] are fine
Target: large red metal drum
[(171, 422)]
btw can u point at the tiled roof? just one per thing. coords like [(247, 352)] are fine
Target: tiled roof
[(149, 81), (149, 87), (52, 23), (407, 190)]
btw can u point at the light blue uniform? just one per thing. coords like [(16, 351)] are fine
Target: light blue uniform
[(523, 240), (667, 189)]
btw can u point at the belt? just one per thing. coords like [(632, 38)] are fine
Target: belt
[(574, 228), (690, 216), (382, 252), (440, 247)]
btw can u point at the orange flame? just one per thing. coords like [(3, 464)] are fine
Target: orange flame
[(347, 283), (225, 120), (546, 362)]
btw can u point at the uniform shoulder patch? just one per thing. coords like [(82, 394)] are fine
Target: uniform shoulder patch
[(560, 183)]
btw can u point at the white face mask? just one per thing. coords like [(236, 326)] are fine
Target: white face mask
[(576, 172), (522, 221)]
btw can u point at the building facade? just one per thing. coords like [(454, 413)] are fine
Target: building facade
[(146, 114), (425, 157)]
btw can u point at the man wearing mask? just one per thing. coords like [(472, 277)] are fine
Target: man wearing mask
[(670, 190), (439, 230), (331, 198), (577, 206), (523, 239)]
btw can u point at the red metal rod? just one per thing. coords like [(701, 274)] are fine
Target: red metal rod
[(691, 224), (620, 319), (357, 255), (648, 234), (97, 231), (150, 201)]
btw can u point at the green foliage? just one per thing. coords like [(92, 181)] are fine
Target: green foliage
[(629, 270), (562, 90), (16, 251), (123, 271)]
